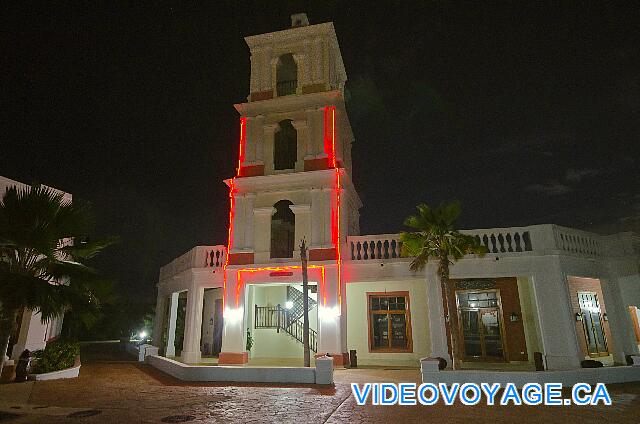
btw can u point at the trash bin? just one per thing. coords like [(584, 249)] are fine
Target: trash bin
[(23, 367), (353, 359)]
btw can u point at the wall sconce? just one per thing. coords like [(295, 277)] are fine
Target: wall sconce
[(513, 317), (578, 316), (446, 318), (605, 317)]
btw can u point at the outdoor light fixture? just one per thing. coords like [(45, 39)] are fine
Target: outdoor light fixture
[(210, 321), (288, 304), (328, 313), (578, 316), (233, 314), (605, 317), (143, 335), (513, 317)]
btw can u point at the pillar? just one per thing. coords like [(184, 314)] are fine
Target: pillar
[(303, 223), (171, 325), (331, 320), (557, 327), (624, 340), (158, 319), (268, 141), (233, 343), (193, 325), (302, 141), (435, 311)]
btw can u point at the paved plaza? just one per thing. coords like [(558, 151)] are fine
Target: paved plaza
[(117, 391)]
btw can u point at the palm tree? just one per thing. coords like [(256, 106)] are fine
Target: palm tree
[(42, 249), (437, 238)]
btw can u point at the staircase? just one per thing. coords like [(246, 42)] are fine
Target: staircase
[(295, 296), (284, 320)]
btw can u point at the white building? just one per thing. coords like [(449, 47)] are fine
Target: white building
[(565, 293), (31, 333)]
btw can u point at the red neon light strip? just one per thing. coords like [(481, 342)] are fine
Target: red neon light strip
[(330, 134), (229, 240), (278, 268), (339, 260), (243, 139)]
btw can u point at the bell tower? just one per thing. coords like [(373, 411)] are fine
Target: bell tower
[(293, 179)]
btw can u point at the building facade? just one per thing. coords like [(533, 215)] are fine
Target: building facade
[(31, 333), (565, 293)]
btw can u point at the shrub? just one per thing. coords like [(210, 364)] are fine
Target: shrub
[(56, 356)]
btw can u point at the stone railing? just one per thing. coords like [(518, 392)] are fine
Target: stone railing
[(577, 241), (502, 240), (198, 257), (539, 239), (382, 246)]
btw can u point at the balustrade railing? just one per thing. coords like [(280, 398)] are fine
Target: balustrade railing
[(545, 239), (278, 317), (285, 88), (384, 246), (198, 257), (502, 240), (576, 241)]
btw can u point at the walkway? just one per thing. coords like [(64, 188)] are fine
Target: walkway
[(127, 392)]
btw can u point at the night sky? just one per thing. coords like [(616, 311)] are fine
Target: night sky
[(527, 115)]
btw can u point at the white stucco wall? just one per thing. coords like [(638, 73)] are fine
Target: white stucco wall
[(357, 323), (208, 313), (530, 319), (268, 343)]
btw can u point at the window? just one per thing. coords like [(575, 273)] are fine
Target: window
[(283, 225), (285, 149), (286, 75), (389, 322)]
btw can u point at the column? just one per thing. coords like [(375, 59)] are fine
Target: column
[(327, 203), (302, 140), (435, 311), (624, 340), (559, 340), (193, 325), (300, 60), (317, 219), (233, 342), (158, 319), (266, 70), (171, 325), (262, 233), (254, 84), (249, 200), (268, 140), (302, 213), (238, 224), (274, 75), (330, 321), (259, 139), (250, 142)]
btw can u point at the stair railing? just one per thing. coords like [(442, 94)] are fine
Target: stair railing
[(278, 317)]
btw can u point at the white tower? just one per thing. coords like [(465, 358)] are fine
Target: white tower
[(293, 180)]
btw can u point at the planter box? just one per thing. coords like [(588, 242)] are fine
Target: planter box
[(72, 372)]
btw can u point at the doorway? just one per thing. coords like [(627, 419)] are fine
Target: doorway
[(592, 324), (481, 330)]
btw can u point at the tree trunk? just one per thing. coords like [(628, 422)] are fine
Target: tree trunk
[(305, 305), (7, 321), (453, 314)]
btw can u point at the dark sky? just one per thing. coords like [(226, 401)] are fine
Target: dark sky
[(526, 114)]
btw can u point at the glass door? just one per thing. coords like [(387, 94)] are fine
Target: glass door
[(592, 324), (480, 325)]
